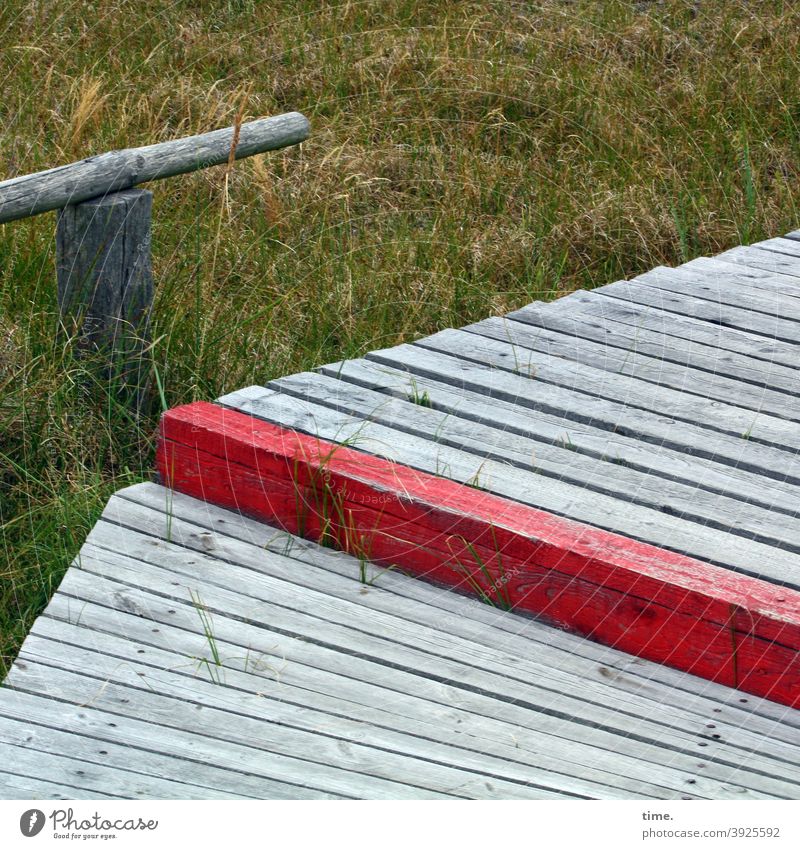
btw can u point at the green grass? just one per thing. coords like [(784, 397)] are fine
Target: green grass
[(465, 158)]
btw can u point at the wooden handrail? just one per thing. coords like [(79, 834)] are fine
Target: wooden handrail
[(100, 175)]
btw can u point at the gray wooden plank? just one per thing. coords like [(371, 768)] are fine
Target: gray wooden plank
[(467, 616), (668, 747), (722, 290), (778, 245), (612, 447), (13, 786), (84, 775), (306, 628), (559, 460), (579, 377), (465, 663), (614, 427), (120, 685), (716, 547), (191, 779), (248, 770), (559, 732), (433, 731), (713, 269), (634, 362), (793, 234), (767, 326), (766, 260), (674, 325), (406, 699), (316, 761), (533, 665), (329, 718), (589, 321)]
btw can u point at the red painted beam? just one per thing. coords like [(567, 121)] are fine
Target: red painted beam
[(653, 603)]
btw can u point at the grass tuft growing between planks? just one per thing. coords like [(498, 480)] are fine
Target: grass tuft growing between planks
[(465, 158)]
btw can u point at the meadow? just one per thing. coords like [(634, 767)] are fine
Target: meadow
[(465, 158)]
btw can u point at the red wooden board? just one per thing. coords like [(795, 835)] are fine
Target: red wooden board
[(653, 603)]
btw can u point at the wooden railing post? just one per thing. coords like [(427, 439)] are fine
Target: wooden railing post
[(105, 284)]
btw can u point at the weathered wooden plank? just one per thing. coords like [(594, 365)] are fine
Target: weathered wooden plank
[(510, 678), (653, 429), (589, 320), (181, 712), (524, 675), (13, 786), (778, 245), (432, 759), (105, 283), (714, 269), (559, 460), (95, 176), (635, 363), (131, 686), (461, 614), (611, 447), (405, 622), (766, 260), (193, 437), (560, 728), (247, 769), (405, 697), (579, 377), (674, 325), (721, 290), (767, 326), (368, 706), (191, 779), (529, 488), (86, 776)]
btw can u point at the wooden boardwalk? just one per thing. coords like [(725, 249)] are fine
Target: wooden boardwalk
[(647, 431), (192, 653)]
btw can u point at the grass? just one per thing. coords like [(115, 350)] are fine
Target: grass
[(465, 158), (213, 664)]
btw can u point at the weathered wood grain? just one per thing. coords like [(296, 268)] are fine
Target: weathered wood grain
[(105, 283), (723, 290), (654, 458), (768, 326), (714, 414), (14, 786), (192, 780), (237, 766), (559, 460), (633, 362), (193, 437), (268, 617), (713, 269), (652, 428), (406, 698), (408, 623), (594, 319), (766, 260), (674, 325), (97, 176), (457, 613), (518, 485)]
